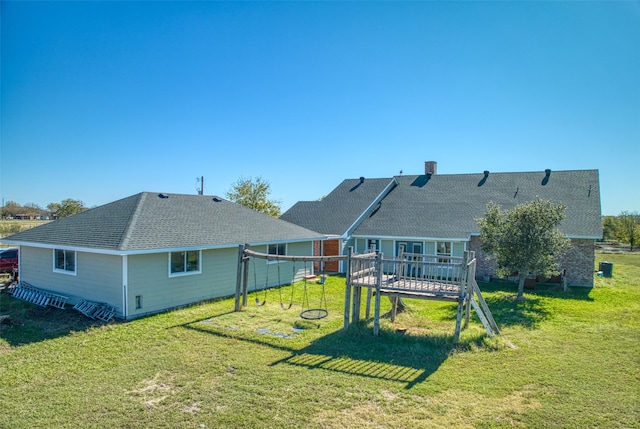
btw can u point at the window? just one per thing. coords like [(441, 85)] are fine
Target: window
[(187, 262), (443, 249), (64, 261), (373, 245), (277, 249)]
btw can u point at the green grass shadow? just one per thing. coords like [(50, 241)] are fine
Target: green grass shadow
[(391, 356)]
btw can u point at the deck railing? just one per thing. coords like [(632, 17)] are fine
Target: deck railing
[(408, 271)]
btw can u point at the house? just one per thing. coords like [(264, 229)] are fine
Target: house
[(435, 214), (151, 252)]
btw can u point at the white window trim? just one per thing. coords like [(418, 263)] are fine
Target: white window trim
[(185, 273), (286, 252), (67, 272)]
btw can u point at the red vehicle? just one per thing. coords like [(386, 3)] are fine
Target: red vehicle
[(8, 260)]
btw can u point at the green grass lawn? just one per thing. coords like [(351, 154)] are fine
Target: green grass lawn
[(569, 360)]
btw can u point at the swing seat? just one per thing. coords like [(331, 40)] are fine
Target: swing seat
[(314, 314)]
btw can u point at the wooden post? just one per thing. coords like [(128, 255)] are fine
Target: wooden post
[(356, 266), (347, 289), (376, 317), (355, 304), (239, 277), (463, 297), (245, 284), (465, 283), (400, 268), (394, 308), (456, 336), (471, 278)]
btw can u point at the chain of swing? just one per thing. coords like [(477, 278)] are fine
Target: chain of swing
[(307, 312)]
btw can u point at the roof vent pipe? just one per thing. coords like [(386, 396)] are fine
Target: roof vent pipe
[(547, 174), (484, 179), (361, 179), (430, 168)]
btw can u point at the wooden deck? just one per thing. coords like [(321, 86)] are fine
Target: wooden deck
[(421, 289), (409, 275), (412, 287)]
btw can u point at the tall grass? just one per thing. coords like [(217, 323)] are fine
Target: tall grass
[(569, 360), (8, 227)]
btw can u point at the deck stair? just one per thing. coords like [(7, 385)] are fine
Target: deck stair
[(482, 310)]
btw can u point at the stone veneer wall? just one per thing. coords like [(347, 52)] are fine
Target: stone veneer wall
[(484, 267), (579, 261)]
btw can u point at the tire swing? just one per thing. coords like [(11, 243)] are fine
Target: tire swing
[(313, 313)]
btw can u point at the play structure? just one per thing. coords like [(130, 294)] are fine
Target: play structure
[(418, 276), (408, 275)]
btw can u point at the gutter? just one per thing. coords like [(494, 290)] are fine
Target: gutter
[(152, 251)]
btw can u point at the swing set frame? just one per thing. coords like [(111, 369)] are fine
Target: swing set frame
[(245, 254)]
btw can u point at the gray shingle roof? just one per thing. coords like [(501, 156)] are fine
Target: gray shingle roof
[(147, 222), (338, 211), (447, 205)]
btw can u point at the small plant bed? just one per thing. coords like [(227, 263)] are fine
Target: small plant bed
[(564, 360)]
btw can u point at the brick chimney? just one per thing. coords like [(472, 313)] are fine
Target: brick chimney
[(430, 168)]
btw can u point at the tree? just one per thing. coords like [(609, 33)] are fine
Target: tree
[(10, 209), (254, 194), (69, 207), (33, 209), (609, 228), (524, 239), (628, 230), (53, 208)]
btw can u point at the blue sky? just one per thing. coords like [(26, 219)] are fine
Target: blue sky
[(102, 100)]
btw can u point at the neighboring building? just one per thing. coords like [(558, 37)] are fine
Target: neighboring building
[(436, 213), (151, 252)]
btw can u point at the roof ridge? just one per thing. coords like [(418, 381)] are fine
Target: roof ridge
[(133, 219), (577, 170)]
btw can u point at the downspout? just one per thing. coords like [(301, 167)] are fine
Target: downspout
[(125, 270)]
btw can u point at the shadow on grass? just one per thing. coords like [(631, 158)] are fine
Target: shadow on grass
[(404, 359), (551, 290), (530, 311), (27, 323), (507, 311), (392, 356)]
